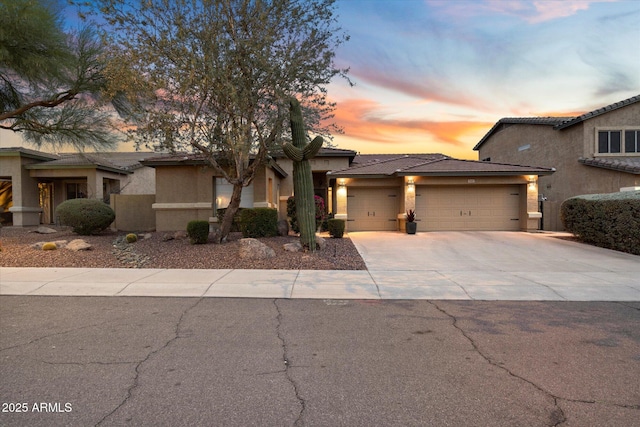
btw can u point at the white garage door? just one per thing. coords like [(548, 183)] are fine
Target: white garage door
[(372, 209), (443, 208)]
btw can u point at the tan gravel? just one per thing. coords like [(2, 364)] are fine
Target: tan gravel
[(109, 251)]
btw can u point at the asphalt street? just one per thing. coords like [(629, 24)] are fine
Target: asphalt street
[(96, 361)]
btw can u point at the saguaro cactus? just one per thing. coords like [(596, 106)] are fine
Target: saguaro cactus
[(300, 152)]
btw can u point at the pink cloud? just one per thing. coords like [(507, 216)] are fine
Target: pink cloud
[(362, 119), (534, 12)]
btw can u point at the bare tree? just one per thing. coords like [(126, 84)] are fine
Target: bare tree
[(216, 76)]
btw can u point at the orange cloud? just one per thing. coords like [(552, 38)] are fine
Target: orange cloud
[(361, 119)]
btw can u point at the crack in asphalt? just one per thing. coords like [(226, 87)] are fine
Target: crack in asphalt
[(557, 416), (139, 364), (44, 337), (287, 365)]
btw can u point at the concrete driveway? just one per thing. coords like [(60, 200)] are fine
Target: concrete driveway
[(493, 265)]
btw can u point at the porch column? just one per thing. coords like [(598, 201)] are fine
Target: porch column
[(533, 216), (26, 203), (341, 200)]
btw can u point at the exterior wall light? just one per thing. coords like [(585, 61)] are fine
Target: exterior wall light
[(411, 186), (532, 182)]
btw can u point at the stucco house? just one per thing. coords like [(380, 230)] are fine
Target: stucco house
[(371, 192), (596, 152), (37, 182)]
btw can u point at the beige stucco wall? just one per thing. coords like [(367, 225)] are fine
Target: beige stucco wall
[(561, 149), (26, 205), (141, 181), (133, 212)]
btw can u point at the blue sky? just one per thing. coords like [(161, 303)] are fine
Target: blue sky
[(435, 75)]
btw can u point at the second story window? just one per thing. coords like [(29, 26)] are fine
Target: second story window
[(621, 142), (632, 141)]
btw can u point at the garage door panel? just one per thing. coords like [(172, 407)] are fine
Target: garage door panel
[(372, 209), (469, 207)]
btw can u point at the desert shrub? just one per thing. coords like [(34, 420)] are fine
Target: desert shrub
[(235, 225), (607, 220), (336, 227), (259, 222), (293, 218), (85, 216), (198, 232), (131, 238)]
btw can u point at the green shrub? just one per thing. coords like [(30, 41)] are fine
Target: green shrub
[(198, 232), (131, 238), (85, 216), (607, 220), (336, 227), (235, 225), (259, 222)]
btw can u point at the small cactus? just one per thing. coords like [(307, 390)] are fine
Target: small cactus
[(131, 238), (49, 246), (300, 152)]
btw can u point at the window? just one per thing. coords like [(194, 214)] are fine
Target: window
[(76, 191), (618, 141), (632, 141)]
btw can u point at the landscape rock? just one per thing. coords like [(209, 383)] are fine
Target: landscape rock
[(292, 247), (320, 242), (255, 249), (178, 235), (283, 227), (147, 236), (167, 237), (78, 245), (45, 230)]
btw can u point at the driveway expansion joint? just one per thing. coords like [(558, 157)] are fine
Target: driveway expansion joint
[(140, 363), (287, 365)]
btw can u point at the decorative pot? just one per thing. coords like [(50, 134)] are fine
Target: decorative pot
[(412, 227)]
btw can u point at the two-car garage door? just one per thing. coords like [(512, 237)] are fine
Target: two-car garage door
[(452, 208), (438, 208)]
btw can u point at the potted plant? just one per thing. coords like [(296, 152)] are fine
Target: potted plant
[(411, 224)]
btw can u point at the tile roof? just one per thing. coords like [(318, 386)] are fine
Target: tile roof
[(505, 122), (26, 152), (430, 165), (629, 165), (598, 112), (119, 162), (558, 123)]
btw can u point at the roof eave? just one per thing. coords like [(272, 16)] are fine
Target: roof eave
[(44, 166)]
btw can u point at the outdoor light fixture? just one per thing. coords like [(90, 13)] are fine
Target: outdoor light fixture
[(532, 182), (411, 187)]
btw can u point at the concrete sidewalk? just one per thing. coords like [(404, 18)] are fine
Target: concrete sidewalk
[(323, 284)]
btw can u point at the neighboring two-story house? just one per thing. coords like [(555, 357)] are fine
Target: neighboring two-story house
[(597, 152)]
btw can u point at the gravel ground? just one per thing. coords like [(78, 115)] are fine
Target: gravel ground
[(110, 251)]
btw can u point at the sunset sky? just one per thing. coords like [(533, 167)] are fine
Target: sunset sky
[(435, 75)]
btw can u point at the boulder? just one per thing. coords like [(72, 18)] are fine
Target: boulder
[(320, 242), (78, 245), (255, 249), (45, 230), (178, 235), (283, 227), (292, 247)]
